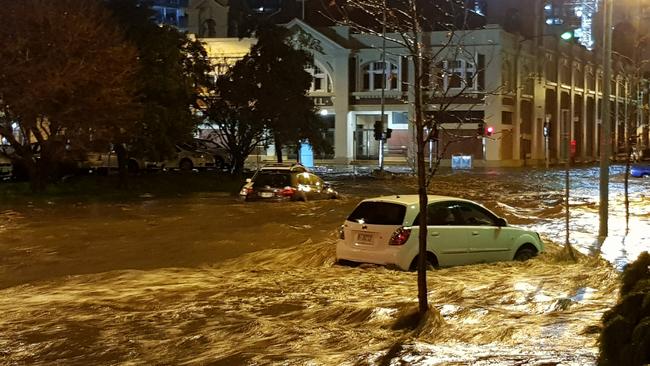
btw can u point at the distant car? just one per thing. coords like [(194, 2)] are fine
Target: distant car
[(186, 158), (104, 160), (286, 182), (639, 154), (384, 230), (640, 171), (220, 154)]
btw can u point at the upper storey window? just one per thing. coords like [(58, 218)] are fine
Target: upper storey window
[(379, 75), (458, 74), (321, 81)]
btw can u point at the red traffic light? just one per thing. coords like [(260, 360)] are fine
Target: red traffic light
[(489, 130)]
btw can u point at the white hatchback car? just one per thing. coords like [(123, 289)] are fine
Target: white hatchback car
[(384, 230)]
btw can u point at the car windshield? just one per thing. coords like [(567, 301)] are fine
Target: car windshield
[(378, 213), (272, 180)]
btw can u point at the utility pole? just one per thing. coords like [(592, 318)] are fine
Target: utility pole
[(605, 128)]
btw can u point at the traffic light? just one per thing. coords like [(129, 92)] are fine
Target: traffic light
[(480, 130), (489, 131), (378, 130), (568, 35), (389, 132)]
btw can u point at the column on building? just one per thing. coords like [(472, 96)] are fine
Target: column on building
[(582, 154), (556, 122), (516, 120), (345, 68)]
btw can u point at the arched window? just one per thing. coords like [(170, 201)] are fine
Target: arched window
[(321, 81), (373, 76), (208, 28)]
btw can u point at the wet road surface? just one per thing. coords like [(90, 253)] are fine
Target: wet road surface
[(210, 280)]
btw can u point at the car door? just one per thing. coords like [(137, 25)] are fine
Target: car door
[(443, 235), (487, 242)]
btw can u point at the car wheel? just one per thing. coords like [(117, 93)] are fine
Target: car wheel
[(186, 165), (432, 262), (524, 254), (218, 162)]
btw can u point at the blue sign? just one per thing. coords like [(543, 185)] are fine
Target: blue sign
[(306, 155)]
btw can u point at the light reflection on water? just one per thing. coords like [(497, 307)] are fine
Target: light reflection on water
[(257, 285)]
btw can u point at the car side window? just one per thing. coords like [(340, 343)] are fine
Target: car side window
[(473, 215), (441, 214)]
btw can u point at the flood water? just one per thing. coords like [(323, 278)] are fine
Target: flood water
[(208, 280)]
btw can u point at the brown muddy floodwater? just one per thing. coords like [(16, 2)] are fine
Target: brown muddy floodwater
[(207, 280)]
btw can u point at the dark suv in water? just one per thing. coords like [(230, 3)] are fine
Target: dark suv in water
[(286, 182)]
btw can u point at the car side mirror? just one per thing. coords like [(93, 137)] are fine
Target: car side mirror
[(501, 222), (248, 180)]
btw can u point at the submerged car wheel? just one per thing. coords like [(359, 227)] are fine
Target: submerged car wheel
[(525, 253), (432, 262), (186, 164)]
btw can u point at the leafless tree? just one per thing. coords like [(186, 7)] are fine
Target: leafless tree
[(435, 36)]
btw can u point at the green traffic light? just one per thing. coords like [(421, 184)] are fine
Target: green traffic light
[(567, 35)]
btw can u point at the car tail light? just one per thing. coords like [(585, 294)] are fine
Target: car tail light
[(342, 232), (288, 191), (246, 191), (400, 236)]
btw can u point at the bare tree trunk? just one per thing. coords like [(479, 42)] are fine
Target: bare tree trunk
[(278, 148), (37, 179), (422, 181)]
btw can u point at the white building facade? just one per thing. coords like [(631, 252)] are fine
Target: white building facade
[(520, 88)]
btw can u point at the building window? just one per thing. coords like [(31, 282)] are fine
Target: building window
[(457, 74), (591, 79), (321, 81), (528, 80), (550, 68), (373, 76), (506, 77), (565, 71), (579, 75)]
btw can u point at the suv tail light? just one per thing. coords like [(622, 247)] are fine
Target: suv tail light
[(288, 191), (400, 236)]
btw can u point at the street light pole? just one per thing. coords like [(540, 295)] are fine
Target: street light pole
[(605, 130)]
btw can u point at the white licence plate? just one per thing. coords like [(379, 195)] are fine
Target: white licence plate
[(266, 194), (364, 238)]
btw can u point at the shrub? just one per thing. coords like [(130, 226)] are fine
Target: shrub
[(625, 338)]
